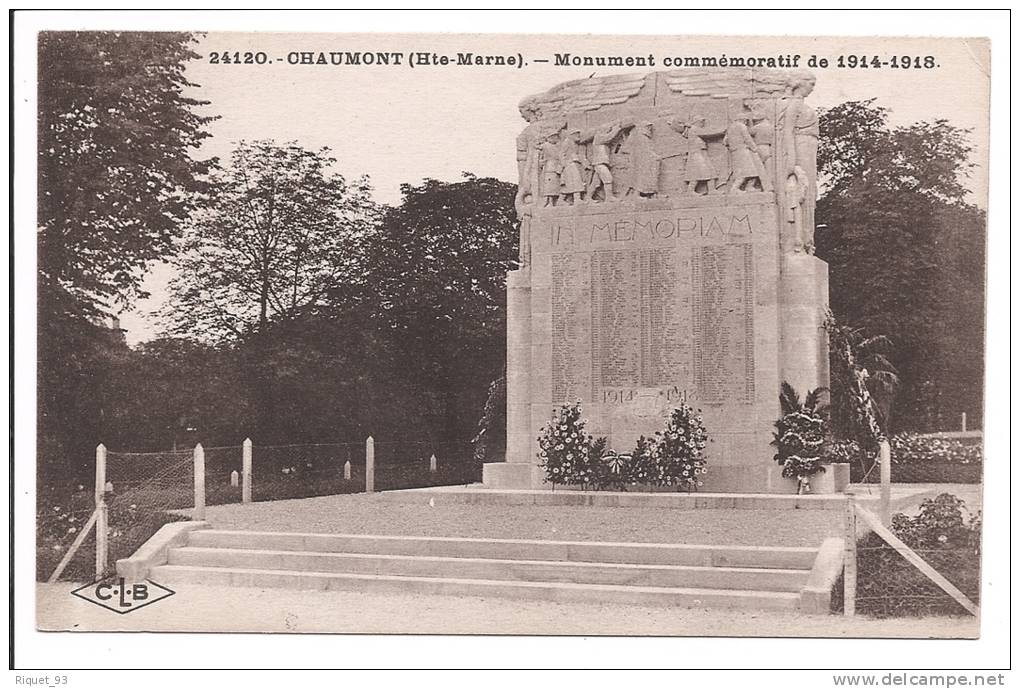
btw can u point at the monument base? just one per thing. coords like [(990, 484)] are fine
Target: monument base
[(513, 476)]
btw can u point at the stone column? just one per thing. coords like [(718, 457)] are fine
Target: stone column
[(517, 470), (803, 304), (518, 365)]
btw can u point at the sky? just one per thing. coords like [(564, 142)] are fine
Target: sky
[(399, 124)]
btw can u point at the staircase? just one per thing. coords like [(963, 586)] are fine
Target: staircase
[(622, 573)]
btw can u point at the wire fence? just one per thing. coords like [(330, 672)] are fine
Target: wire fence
[(223, 467), (926, 564), (300, 471), (143, 491)]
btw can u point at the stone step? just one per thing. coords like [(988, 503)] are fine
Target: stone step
[(689, 576), (172, 575), (510, 549)]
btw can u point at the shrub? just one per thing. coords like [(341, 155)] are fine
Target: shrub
[(915, 459), (679, 450), (490, 441), (940, 523), (565, 449), (844, 452), (642, 469), (910, 448)]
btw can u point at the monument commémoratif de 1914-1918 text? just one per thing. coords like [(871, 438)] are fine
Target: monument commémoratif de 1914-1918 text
[(667, 225)]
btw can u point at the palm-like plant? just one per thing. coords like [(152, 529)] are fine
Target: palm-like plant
[(801, 434), (814, 402), (863, 383)]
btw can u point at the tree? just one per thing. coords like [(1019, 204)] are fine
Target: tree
[(118, 175), (117, 172), (438, 265), (858, 150), (863, 384), (192, 392), (280, 232), (906, 254)]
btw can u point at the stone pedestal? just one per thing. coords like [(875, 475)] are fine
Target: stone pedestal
[(512, 475)]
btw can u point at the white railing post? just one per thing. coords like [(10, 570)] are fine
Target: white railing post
[(432, 464), (850, 558), (885, 467), (246, 470), (963, 422), (347, 470), (102, 536), (235, 479), (369, 465), (199, 456)]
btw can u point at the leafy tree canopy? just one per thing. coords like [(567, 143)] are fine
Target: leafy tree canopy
[(117, 168), (438, 268), (281, 231), (859, 152), (440, 261), (906, 254)]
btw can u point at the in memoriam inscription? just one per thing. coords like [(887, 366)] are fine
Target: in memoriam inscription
[(677, 317)]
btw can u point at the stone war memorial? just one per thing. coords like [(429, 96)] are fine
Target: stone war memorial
[(667, 254)]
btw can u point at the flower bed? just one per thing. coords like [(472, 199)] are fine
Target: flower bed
[(915, 459)]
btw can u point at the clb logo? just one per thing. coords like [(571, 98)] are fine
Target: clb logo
[(122, 597)]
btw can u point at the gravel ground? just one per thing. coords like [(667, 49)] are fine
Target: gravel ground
[(369, 514), (211, 608)]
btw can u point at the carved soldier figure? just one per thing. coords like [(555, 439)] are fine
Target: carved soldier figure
[(671, 150), (764, 135), (745, 166), (551, 159), (644, 171), (575, 163), (602, 141), (699, 169)]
